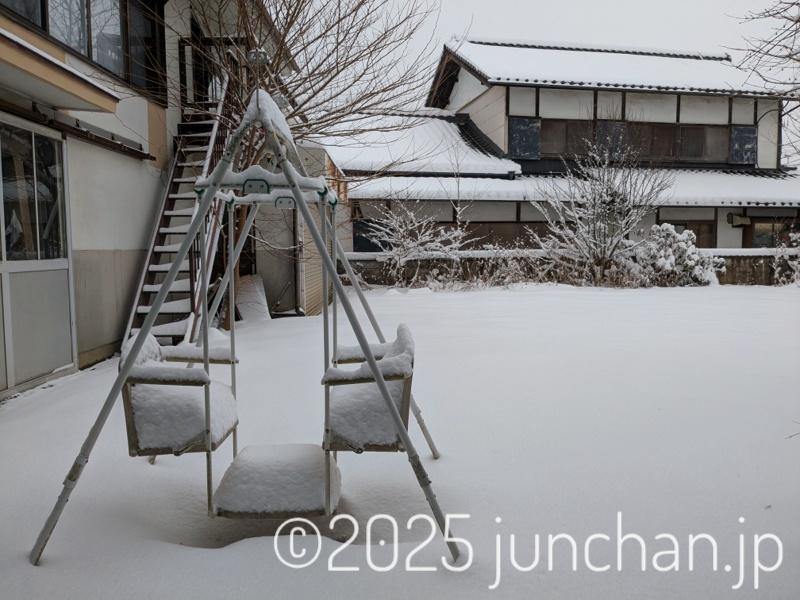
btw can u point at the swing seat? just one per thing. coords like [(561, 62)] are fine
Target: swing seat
[(359, 419), (279, 481), (165, 406)]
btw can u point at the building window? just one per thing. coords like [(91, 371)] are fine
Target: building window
[(107, 42), (30, 10), (33, 195), (566, 138), (123, 36), (769, 233), (68, 23), (704, 231)]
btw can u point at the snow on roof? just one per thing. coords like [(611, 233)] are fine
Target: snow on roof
[(692, 188), (577, 65), (419, 142)]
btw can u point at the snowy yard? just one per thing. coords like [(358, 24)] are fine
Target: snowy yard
[(594, 414)]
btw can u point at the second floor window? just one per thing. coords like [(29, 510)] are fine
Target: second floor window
[(124, 37)]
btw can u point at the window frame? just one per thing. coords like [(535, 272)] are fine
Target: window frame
[(155, 11), (38, 131)]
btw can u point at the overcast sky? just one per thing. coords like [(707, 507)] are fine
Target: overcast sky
[(704, 25)]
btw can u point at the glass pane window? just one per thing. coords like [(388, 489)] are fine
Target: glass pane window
[(32, 195), (143, 44), (50, 198), (107, 48), (67, 22), (30, 10), (19, 193)]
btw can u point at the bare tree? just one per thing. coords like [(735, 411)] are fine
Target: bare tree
[(595, 208), (332, 60)]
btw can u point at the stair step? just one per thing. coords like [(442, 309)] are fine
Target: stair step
[(184, 196), (179, 286), (180, 212), (175, 230), (176, 328), (277, 481), (192, 179), (192, 163), (165, 267), (197, 149), (171, 249), (179, 307), (197, 134)]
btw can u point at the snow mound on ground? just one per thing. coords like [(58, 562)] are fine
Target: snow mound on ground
[(252, 300)]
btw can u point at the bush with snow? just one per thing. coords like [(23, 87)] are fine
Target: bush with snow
[(786, 261), (668, 259)]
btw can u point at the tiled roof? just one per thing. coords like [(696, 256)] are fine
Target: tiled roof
[(691, 188), (519, 63)]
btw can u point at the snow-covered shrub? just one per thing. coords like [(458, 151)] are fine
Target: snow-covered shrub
[(407, 237), (492, 265), (786, 260), (592, 211), (667, 258)]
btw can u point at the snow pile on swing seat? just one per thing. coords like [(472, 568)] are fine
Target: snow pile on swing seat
[(359, 413), (169, 416), (277, 479)]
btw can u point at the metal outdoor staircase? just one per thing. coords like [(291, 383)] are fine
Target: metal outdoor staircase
[(200, 138)]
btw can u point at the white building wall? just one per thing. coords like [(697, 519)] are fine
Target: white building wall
[(609, 105), (488, 112), (704, 110), (522, 102), (566, 104), (743, 111), (495, 212), (768, 127), (728, 236), (656, 108), (466, 89)]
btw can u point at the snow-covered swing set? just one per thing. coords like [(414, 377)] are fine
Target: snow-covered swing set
[(279, 481)]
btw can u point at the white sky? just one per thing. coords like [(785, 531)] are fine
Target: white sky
[(705, 25)]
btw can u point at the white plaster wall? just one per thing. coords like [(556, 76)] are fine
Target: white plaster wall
[(644, 226), (113, 198), (372, 209), (609, 105), (490, 211), (768, 116), (681, 213), (728, 236), (656, 108), (743, 111), (466, 89), (566, 104), (488, 111), (704, 110), (441, 212), (522, 102), (772, 212)]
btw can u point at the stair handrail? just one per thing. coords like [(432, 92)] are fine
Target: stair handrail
[(218, 139)]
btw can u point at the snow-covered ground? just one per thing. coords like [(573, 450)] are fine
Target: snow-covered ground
[(580, 412)]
